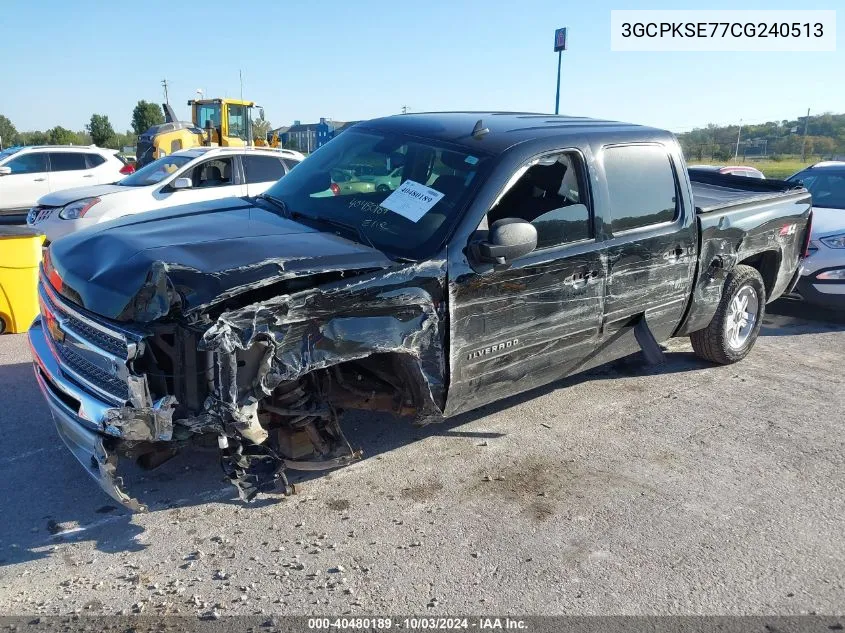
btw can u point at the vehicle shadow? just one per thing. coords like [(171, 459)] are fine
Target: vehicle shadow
[(53, 500), (790, 317)]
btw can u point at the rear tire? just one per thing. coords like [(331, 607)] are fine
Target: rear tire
[(382, 188), (3, 325), (735, 326)]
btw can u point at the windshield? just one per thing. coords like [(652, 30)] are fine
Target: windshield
[(8, 152), (155, 172), (827, 187), (409, 216)]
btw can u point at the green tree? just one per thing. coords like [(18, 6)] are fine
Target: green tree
[(101, 131), (36, 137), (8, 133), (260, 126), (145, 115), (60, 136)]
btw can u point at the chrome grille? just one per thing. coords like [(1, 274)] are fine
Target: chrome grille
[(111, 344), (89, 352), (92, 374)]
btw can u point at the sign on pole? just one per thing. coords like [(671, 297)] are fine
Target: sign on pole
[(560, 40)]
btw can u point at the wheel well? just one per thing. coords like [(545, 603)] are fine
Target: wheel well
[(767, 264)]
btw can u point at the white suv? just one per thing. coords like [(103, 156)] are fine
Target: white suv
[(184, 177), (27, 173)]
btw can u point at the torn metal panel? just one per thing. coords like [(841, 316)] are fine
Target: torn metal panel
[(392, 312), (151, 424)]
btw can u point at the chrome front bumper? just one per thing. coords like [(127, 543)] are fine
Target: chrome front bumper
[(79, 417)]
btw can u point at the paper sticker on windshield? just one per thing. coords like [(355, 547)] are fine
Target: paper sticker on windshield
[(412, 200)]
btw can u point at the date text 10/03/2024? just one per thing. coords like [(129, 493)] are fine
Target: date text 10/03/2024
[(424, 623)]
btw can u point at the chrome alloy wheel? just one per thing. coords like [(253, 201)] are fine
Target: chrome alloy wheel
[(742, 317)]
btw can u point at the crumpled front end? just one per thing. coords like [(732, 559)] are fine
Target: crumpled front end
[(83, 370), (268, 372)]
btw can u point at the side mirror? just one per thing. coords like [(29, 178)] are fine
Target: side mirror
[(182, 183), (509, 239), (5, 171)]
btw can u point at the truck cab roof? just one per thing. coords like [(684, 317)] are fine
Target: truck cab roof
[(504, 129)]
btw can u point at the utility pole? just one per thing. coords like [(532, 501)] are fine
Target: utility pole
[(241, 77), (738, 134), (164, 83), (804, 140)]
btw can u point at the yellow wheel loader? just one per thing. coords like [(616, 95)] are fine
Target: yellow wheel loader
[(223, 122)]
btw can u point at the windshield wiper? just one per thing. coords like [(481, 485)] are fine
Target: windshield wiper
[(281, 205), (352, 228)]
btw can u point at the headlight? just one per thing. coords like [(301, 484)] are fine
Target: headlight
[(837, 274), (78, 209), (834, 241)]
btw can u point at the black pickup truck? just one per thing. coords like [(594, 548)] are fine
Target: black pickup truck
[(514, 249)]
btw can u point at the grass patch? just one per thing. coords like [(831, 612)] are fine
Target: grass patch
[(780, 169)]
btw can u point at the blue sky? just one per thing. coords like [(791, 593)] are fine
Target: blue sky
[(354, 59)]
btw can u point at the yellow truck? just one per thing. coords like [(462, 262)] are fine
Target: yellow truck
[(223, 122)]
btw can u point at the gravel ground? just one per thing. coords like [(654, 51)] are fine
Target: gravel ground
[(685, 489)]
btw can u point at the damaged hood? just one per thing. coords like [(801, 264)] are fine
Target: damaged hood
[(138, 267)]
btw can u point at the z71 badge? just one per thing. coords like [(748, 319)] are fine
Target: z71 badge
[(498, 347)]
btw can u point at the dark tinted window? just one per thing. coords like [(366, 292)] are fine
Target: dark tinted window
[(290, 163), (826, 186), (31, 163), (67, 161), (93, 160), (550, 196), (262, 168), (641, 186)]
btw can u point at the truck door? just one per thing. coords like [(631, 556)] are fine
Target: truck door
[(514, 329), (651, 251)]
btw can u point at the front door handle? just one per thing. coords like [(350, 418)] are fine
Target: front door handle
[(39, 179), (674, 255), (88, 176)]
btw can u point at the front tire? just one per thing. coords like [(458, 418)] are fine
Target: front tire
[(735, 326), (382, 188)]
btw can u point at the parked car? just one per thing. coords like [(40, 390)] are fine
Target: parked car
[(387, 181), (192, 175), (823, 272), (543, 246), (28, 173), (734, 170)]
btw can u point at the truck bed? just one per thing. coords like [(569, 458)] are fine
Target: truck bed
[(716, 192)]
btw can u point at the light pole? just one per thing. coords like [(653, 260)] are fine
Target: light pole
[(560, 46)]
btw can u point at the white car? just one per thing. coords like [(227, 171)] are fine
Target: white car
[(385, 181), (184, 177), (822, 279), (28, 173)]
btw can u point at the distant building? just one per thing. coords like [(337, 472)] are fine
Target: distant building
[(307, 137)]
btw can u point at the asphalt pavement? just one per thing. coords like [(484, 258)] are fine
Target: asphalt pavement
[(685, 488)]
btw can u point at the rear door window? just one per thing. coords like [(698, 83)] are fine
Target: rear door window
[(67, 161), (262, 168), (641, 186)]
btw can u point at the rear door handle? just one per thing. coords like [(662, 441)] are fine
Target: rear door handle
[(88, 176), (39, 179), (581, 278)]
